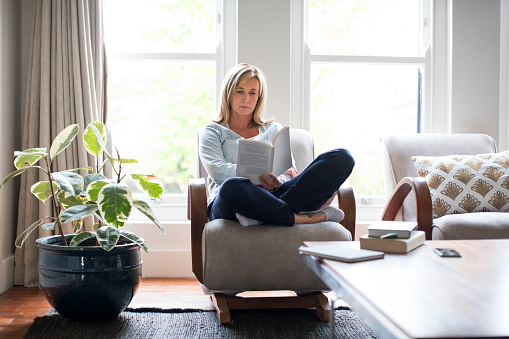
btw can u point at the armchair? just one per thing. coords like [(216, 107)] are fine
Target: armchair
[(401, 178), (228, 258)]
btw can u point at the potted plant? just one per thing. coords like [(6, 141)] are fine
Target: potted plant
[(88, 275)]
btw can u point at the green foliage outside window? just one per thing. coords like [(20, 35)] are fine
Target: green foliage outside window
[(353, 104), (175, 100), (175, 96)]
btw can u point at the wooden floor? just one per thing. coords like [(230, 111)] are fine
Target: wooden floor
[(20, 305)]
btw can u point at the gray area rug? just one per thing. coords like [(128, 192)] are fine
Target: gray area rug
[(174, 323)]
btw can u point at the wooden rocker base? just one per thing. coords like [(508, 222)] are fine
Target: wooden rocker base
[(224, 304)]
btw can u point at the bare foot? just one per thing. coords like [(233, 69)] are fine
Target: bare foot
[(310, 218)]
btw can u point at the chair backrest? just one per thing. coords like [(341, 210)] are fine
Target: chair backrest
[(397, 152), (302, 146)]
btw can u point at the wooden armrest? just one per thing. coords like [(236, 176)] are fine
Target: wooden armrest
[(346, 202), (197, 213), (422, 200)]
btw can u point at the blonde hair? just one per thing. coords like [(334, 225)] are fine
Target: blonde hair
[(235, 78)]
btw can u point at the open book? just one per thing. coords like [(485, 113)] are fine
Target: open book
[(256, 157)]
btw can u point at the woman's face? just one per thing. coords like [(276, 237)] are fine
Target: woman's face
[(244, 98)]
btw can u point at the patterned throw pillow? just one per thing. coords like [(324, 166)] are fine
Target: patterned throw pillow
[(466, 183)]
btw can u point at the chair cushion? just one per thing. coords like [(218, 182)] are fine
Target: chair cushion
[(466, 183), (262, 257), (397, 151), (481, 225)]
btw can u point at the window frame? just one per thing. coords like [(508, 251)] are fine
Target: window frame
[(369, 207), (308, 58), (173, 206)]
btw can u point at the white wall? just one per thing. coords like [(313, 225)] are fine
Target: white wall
[(10, 132), (475, 70), (264, 40), (504, 76)]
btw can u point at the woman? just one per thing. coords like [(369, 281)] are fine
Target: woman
[(286, 200)]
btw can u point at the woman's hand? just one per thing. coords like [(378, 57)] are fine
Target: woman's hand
[(269, 182), (291, 172)]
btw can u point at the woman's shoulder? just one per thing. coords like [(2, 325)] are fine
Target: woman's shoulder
[(214, 129), (271, 126)]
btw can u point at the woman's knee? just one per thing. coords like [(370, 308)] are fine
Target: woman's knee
[(232, 187), (342, 159)]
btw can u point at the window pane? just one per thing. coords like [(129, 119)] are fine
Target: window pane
[(160, 26), (353, 105), (364, 27), (154, 111)]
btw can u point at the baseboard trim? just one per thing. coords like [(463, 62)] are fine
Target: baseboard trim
[(6, 273)]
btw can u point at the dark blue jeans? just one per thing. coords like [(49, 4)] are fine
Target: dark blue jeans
[(309, 191)]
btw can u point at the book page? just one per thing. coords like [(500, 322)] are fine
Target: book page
[(254, 158), (282, 152)]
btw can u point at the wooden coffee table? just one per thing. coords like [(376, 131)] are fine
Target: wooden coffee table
[(422, 295)]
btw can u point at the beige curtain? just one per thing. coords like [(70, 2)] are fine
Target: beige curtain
[(66, 85)]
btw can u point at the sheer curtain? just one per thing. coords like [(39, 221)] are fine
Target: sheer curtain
[(66, 85)]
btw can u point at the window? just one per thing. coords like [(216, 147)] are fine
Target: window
[(365, 78), (162, 65)]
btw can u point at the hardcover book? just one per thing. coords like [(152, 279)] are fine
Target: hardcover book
[(393, 245), (340, 253), (392, 229)]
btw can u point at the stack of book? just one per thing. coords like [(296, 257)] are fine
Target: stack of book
[(392, 237)]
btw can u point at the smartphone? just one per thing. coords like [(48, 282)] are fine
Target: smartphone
[(447, 252)]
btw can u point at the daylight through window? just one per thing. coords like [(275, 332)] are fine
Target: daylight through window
[(161, 82), (365, 66)]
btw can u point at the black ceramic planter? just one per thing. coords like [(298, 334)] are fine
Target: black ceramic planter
[(87, 283)]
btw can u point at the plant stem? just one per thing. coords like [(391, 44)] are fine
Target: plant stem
[(119, 166), (56, 206), (119, 171)]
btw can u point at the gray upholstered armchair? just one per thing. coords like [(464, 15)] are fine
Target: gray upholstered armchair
[(401, 177), (228, 258)]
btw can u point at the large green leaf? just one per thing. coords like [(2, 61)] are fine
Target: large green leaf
[(49, 226), (92, 145), (128, 161), (99, 139), (77, 212), (12, 175), (87, 179), (140, 241), (77, 225), (28, 157), (150, 184), (42, 190), (144, 208), (79, 238), (69, 182), (87, 168), (115, 203), (107, 237), (68, 200), (62, 140), (95, 187), (26, 233)]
